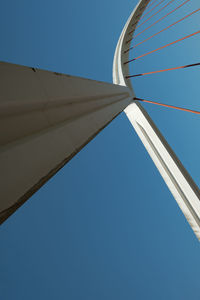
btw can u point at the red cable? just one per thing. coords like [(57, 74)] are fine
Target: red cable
[(151, 3), (155, 13), (144, 7), (160, 19), (146, 14), (167, 105), (184, 38), (148, 19), (164, 70), (152, 9), (163, 30)]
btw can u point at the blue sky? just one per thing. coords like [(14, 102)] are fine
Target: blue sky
[(106, 226)]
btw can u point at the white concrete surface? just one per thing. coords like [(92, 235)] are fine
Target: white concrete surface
[(181, 185)]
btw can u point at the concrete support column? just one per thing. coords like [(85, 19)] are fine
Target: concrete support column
[(45, 119)]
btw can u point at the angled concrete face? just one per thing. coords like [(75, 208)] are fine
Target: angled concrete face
[(45, 119), (180, 183)]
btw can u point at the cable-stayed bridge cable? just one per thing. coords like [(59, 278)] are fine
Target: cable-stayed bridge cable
[(185, 2), (151, 9), (187, 16), (167, 105), (160, 48), (154, 14), (164, 70)]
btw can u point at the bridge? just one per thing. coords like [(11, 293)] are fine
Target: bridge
[(48, 117)]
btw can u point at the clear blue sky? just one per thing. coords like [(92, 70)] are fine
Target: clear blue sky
[(105, 227)]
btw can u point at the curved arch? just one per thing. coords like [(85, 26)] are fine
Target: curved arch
[(178, 180), (119, 69)]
